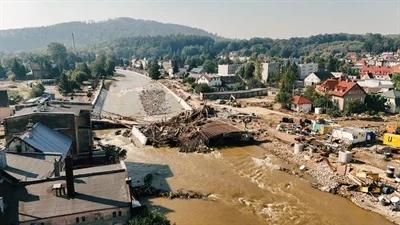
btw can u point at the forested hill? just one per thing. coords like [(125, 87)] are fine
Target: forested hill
[(37, 38)]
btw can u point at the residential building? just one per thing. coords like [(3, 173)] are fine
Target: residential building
[(229, 81), (376, 86), (196, 72), (268, 69), (72, 119), (96, 195), (342, 91), (36, 71), (377, 72), (301, 104), (317, 78), (212, 80), (306, 69), (228, 69), (393, 100)]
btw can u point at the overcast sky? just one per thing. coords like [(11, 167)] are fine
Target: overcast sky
[(228, 18)]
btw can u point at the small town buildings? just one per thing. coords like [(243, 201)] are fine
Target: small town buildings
[(317, 78), (393, 100), (40, 139), (72, 119), (5, 109), (212, 80), (306, 69), (353, 135), (342, 91), (376, 86), (268, 69), (228, 69), (95, 195), (196, 72), (301, 104)]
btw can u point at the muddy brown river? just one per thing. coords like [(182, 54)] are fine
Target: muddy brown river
[(245, 185)]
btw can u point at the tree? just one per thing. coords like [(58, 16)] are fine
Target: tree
[(154, 71), (99, 66), (396, 80), (210, 66), (249, 70), (3, 72), (203, 88), (114, 153), (109, 66), (37, 90), (150, 218), (18, 69), (356, 106), (84, 68), (58, 53), (79, 76), (66, 85), (375, 103), (287, 84)]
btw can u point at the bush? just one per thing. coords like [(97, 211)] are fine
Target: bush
[(14, 97), (37, 90), (354, 107), (153, 217), (203, 88), (189, 80)]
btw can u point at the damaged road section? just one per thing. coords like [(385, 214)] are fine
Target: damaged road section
[(196, 131)]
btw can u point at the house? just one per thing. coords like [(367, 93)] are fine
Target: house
[(40, 139), (342, 91), (95, 195), (268, 69), (317, 78), (228, 69), (212, 80), (229, 81), (36, 71), (301, 104), (306, 69), (393, 100), (196, 72), (353, 135), (73, 119), (376, 72), (376, 86)]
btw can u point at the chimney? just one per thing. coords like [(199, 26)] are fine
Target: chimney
[(56, 168), (2, 205), (3, 159), (69, 176)]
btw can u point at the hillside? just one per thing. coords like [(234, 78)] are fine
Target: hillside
[(37, 38)]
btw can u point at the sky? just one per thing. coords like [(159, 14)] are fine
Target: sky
[(227, 18)]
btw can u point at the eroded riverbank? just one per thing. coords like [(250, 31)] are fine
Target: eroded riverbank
[(247, 185)]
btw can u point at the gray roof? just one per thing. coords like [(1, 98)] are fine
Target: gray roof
[(54, 106), (197, 70), (47, 140), (94, 192), (30, 167), (391, 94)]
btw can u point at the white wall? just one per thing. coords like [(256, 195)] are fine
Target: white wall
[(311, 80)]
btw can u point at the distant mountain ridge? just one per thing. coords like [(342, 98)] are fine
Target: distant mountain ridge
[(37, 38)]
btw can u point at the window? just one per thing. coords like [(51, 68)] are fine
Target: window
[(77, 219), (119, 213), (83, 218), (114, 214)]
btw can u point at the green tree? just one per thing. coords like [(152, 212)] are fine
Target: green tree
[(66, 84), (114, 153), (154, 71), (356, 106), (79, 76), (84, 68), (3, 72), (210, 66), (58, 53), (203, 88), (110, 66), (375, 103), (18, 69), (150, 218), (396, 80), (249, 70), (287, 84), (37, 90)]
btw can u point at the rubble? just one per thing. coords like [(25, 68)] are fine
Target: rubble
[(154, 102)]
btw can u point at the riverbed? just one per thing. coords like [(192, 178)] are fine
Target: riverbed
[(245, 184), (123, 98)]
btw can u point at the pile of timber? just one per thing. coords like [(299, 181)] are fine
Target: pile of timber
[(181, 131)]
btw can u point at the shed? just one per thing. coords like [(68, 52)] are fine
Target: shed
[(301, 104), (352, 135)]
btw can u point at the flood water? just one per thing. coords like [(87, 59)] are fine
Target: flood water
[(123, 97), (246, 188)]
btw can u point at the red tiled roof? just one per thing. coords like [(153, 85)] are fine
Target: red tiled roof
[(300, 100), (337, 87), (381, 70)]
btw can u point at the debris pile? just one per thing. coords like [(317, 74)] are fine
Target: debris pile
[(154, 102), (181, 130)]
